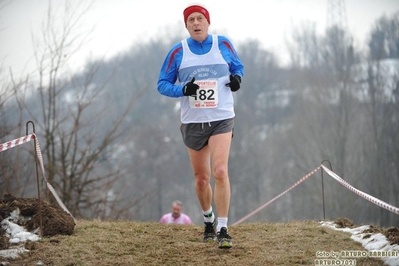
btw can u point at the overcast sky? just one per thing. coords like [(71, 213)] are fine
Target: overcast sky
[(119, 23)]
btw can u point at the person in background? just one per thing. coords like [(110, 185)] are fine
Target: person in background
[(203, 71), (176, 216)]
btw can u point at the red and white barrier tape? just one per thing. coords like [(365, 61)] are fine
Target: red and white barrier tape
[(270, 201), (11, 144), (50, 187), (368, 197), (27, 138)]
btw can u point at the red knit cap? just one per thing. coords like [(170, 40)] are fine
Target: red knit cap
[(195, 8)]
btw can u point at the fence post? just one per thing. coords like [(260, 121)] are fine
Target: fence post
[(37, 178), (322, 187)]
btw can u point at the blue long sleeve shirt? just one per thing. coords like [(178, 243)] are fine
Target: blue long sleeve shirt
[(170, 68)]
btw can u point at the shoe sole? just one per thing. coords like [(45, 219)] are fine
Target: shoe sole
[(225, 245)]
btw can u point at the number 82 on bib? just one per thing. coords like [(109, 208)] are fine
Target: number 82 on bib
[(207, 95)]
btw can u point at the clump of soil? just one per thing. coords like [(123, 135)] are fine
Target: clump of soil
[(55, 221), (344, 222), (392, 234), (372, 230)]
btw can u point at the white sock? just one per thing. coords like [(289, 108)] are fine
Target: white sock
[(222, 222), (209, 217)]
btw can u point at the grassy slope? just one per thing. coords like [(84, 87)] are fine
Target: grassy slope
[(134, 243)]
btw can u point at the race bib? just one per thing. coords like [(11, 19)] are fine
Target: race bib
[(207, 95)]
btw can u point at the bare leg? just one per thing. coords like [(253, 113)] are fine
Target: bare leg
[(219, 146), (200, 162), (217, 151)]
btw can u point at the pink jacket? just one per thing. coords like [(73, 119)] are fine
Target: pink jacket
[(169, 219)]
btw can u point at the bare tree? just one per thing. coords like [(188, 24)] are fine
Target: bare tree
[(12, 125), (326, 105), (346, 108), (77, 133), (381, 151)]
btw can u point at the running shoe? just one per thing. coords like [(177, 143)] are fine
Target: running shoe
[(209, 232), (224, 239)]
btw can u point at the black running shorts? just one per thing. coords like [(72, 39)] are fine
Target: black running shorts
[(196, 135)]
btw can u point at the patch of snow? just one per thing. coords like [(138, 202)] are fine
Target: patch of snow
[(17, 234), (13, 253), (376, 244)]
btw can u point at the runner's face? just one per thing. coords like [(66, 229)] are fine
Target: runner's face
[(197, 26)]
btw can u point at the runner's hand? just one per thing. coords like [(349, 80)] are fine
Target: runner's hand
[(190, 89), (234, 83)]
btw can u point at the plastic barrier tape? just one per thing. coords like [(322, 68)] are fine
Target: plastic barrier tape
[(368, 197), (270, 201)]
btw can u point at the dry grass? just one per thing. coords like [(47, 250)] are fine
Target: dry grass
[(137, 243)]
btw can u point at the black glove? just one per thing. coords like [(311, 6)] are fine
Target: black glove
[(234, 83), (190, 89)]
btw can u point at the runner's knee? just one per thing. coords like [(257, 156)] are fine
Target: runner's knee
[(202, 181), (220, 172)]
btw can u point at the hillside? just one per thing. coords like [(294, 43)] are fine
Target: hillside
[(137, 243)]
